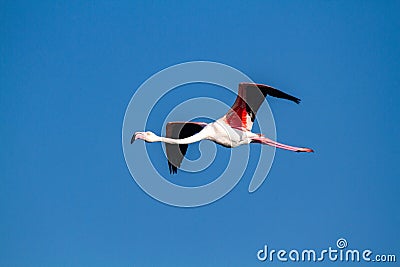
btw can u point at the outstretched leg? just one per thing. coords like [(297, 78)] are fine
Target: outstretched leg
[(266, 141)]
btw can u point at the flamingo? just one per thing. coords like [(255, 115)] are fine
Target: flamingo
[(232, 130)]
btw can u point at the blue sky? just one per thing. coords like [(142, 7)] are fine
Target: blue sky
[(69, 69)]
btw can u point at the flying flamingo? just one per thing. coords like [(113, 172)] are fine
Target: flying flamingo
[(232, 130)]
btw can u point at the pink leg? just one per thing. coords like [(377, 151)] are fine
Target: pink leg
[(267, 141)]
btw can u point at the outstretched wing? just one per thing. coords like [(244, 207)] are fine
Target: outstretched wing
[(180, 130), (250, 97)]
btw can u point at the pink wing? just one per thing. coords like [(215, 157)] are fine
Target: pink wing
[(250, 97)]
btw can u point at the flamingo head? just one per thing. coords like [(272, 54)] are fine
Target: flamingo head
[(146, 136)]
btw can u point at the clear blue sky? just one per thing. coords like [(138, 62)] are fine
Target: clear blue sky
[(68, 70)]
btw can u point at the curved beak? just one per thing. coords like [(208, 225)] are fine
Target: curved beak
[(137, 135)]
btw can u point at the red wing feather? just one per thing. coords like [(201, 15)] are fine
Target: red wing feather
[(250, 97)]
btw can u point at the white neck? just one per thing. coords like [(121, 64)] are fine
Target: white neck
[(189, 140)]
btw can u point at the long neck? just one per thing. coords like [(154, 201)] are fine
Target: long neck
[(189, 140)]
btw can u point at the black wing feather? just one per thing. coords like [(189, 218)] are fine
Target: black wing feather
[(268, 90), (179, 130)]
